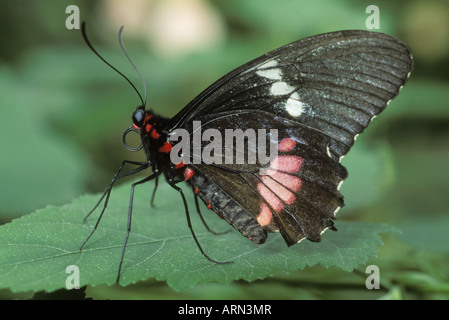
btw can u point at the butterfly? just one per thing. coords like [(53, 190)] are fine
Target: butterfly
[(319, 93)]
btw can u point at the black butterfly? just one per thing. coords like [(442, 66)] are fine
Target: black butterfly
[(319, 93)]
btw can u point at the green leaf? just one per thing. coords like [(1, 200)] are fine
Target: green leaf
[(36, 249)]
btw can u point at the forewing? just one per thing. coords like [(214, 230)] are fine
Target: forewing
[(334, 82)]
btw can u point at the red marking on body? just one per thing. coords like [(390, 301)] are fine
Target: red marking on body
[(166, 148), (154, 135), (291, 182), (197, 190), (265, 215), (188, 173), (148, 117), (209, 206), (287, 163), (148, 128), (180, 165), (270, 197), (286, 145), (136, 127), (280, 191)]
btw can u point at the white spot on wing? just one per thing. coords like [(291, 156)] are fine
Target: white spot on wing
[(294, 106), (272, 74), (280, 88)]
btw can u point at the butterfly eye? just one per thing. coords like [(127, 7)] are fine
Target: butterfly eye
[(138, 118)]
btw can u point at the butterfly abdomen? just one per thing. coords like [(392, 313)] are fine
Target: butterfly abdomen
[(227, 208)]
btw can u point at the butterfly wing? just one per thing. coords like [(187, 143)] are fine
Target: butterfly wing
[(334, 82), (319, 93), (296, 193)]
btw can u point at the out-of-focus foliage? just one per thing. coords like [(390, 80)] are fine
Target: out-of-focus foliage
[(63, 113)]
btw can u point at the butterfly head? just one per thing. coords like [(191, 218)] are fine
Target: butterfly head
[(150, 128), (138, 118), (146, 123)]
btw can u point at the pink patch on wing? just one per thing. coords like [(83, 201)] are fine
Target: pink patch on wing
[(286, 145), (272, 200), (287, 163), (291, 182), (287, 196), (265, 215)]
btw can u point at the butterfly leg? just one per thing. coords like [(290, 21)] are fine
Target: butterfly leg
[(204, 221), (154, 191), (189, 223), (197, 205), (130, 210), (143, 166)]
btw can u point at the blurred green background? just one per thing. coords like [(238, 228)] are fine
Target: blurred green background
[(63, 113)]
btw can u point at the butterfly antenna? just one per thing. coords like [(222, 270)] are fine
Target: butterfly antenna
[(132, 64), (83, 32)]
